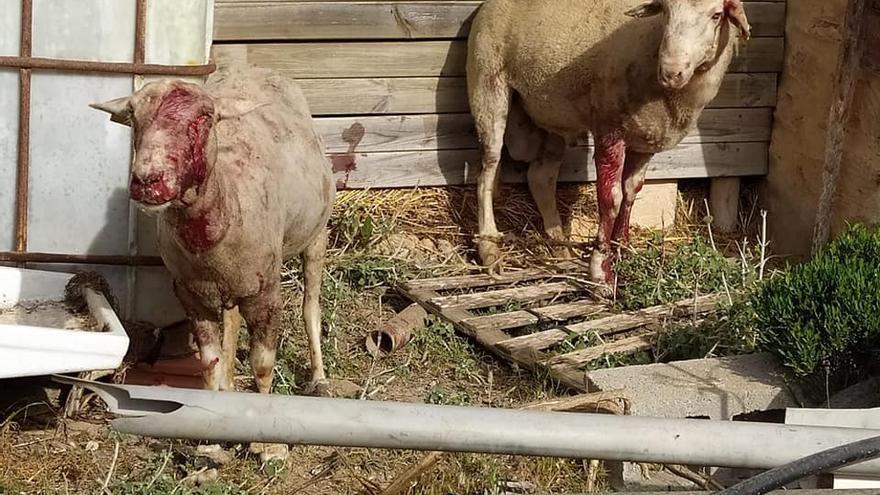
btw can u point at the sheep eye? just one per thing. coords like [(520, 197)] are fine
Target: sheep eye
[(717, 16)]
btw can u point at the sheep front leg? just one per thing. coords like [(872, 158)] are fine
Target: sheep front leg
[(207, 336), (262, 312), (313, 267), (609, 156), (206, 331), (634, 169), (231, 328)]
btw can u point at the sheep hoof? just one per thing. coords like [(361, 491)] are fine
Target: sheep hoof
[(602, 293), (318, 388), (563, 253), (490, 255), (270, 451)]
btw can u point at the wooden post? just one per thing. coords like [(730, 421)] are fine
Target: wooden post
[(724, 203), (838, 116)]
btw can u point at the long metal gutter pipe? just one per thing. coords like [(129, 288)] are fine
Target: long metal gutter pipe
[(250, 417)]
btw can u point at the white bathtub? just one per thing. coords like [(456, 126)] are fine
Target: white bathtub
[(38, 344)]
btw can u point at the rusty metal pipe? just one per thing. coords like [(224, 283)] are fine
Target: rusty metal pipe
[(110, 67), (24, 129), (90, 259)]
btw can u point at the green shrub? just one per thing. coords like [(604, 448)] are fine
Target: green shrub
[(661, 275), (824, 315), (729, 332)]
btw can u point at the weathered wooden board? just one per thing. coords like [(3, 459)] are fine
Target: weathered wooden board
[(502, 297), (607, 325), (419, 95), (456, 131), (486, 280), (456, 167), (583, 357), (521, 318), (239, 20), (417, 58)]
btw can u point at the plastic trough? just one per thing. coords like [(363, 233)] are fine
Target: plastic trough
[(41, 347)]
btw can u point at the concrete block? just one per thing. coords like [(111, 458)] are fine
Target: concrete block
[(718, 389), (655, 205)]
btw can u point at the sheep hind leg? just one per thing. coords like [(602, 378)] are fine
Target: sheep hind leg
[(313, 266), (543, 175), (490, 101), (634, 169), (610, 151)]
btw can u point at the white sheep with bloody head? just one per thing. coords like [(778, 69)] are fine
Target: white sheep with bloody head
[(240, 183)]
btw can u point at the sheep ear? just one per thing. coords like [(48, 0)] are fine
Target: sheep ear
[(646, 9), (119, 109), (232, 108), (736, 12)]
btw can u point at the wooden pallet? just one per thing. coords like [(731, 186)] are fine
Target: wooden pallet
[(551, 307)]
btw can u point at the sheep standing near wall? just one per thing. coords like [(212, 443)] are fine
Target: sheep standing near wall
[(240, 183), (543, 74)]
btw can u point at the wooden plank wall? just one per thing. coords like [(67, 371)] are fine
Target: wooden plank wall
[(385, 82)]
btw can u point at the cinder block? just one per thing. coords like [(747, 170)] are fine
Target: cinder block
[(655, 205)]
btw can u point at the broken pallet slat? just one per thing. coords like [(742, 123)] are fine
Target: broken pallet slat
[(581, 357), (576, 309), (608, 324), (503, 321), (501, 297), (486, 337), (532, 316), (486, 280)]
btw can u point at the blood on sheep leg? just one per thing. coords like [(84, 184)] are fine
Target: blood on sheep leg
[(609, 157)]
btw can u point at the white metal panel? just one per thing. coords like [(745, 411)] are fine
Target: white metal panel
[(79, 166), (10, 35), (10, 27), (85, 29), (177, 30), (8, 155)]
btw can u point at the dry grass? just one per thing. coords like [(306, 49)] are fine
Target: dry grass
[(425, 231)]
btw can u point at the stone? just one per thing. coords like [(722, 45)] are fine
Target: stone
[(215, 453), (270, 451), (718, 388)]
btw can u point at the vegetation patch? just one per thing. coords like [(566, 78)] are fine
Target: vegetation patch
[(822, 318)]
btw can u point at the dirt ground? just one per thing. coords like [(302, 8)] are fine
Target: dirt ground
[(42, 453)]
